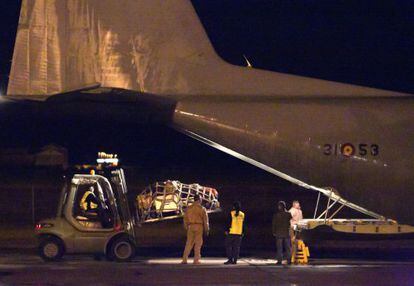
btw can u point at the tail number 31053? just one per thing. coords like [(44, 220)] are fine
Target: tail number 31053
[(349, 149)]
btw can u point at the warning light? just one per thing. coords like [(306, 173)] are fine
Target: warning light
[(43, 225), (110, 159)]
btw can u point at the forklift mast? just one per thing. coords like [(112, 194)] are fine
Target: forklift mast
[(117, 179)]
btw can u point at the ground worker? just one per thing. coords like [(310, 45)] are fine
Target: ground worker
[(234, 233), (296, 213), (196, 223), (280, 229)]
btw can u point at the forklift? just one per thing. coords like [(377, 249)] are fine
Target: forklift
[(93, 216), (107, 228)]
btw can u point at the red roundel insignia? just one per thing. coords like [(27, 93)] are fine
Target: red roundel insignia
[(347, 149)]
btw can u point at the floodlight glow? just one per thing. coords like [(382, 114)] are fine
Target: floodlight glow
[(107, 160)]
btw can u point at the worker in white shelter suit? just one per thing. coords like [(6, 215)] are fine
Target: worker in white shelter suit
[(234, 233), (196, 223), (296, 213)]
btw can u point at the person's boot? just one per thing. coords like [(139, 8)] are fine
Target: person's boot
[(228, 262), (184, 261), (234, 261)]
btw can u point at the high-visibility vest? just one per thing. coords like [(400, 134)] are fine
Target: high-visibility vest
[(84, 203), (236, 223)]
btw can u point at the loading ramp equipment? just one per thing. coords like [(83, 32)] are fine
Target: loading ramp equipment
[(374, 224)]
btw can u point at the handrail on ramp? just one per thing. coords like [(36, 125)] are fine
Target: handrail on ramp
[(376, 224)]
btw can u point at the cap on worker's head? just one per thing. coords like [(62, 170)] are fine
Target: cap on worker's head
[(237, 205), (196, 198), (281, 205)]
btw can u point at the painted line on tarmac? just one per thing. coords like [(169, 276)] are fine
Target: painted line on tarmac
[(62, 268), (19, 261), (12, 266)]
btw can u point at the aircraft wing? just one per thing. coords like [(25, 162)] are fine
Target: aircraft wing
[(95, 103)]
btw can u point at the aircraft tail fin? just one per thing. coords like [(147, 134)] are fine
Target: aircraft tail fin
[(153, 46)]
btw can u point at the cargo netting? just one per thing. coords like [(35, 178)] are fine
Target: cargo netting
[(167, 200)]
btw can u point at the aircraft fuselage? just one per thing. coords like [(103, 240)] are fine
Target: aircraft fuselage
[(359, 146)]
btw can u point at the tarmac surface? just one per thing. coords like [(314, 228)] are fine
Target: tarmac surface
[(28, 269)]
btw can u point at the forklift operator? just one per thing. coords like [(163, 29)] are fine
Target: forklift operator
[(89, 202), (93, 208)]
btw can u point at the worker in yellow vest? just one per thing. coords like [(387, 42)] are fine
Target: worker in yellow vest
[(89, 202), (235, 233)]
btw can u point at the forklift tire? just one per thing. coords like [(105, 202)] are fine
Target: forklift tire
[(51, 249), (122, 250)]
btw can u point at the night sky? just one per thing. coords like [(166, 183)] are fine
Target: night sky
[(362, 42)]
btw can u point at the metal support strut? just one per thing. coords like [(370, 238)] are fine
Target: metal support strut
[(375, 224)]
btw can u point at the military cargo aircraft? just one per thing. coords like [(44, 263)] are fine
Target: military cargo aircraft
[(152, 61)]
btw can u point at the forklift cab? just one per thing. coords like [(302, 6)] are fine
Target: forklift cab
[(94, 205), (93, 217)]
